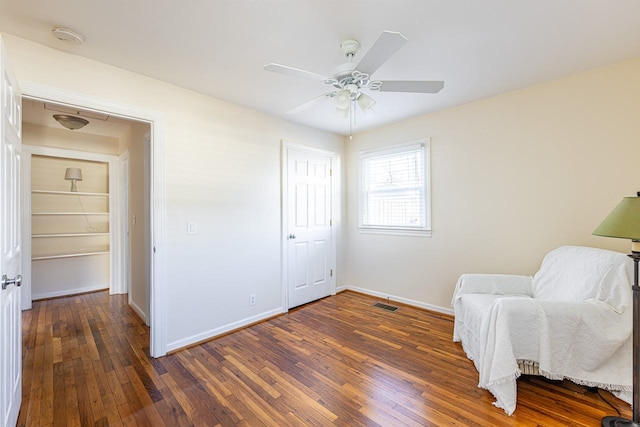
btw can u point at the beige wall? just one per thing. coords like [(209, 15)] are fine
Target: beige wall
[(222, 171), (513, 176), (62, 138)]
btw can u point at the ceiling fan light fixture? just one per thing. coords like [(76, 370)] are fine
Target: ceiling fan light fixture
[(366, 102), (343, 99), (71, 122)]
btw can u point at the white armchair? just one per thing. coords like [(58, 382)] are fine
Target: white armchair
[(572, 320)]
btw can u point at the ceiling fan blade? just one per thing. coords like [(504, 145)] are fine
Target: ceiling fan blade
[(386, 45), (290, 71), (411, 86), (310, 103)]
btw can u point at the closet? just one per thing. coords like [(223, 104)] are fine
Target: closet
[(70, 225)]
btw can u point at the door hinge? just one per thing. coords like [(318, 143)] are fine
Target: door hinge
[(330, 172), (332, 272), (154, 249), (330, 222)]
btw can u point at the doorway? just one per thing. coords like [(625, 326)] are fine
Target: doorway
[(88, 236), (155, 295)]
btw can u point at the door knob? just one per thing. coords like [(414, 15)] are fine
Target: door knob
[(292, 236), (15, 281)]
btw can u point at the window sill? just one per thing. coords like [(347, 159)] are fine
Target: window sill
[(395, 231)]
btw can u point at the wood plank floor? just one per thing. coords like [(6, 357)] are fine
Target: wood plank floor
[(338, 361)]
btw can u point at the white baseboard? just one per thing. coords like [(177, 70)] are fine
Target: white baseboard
[(212, 333), (66, 292), (139, 312), (407, 301)]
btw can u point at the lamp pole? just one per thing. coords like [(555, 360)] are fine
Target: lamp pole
[(636, 339), (618, 421), (624, 222)]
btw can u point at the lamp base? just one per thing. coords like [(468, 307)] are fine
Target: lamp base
[(618, 422)]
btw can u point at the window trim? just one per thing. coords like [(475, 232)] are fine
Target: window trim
[(397, 230)]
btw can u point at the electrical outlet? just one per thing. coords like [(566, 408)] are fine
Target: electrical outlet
[(252, 299)]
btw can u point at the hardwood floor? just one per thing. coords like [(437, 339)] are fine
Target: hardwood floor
[(338, 361)]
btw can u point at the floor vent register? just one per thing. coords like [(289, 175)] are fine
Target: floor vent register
[(385, 306)]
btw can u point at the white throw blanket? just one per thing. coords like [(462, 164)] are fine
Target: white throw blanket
[(500, 319)]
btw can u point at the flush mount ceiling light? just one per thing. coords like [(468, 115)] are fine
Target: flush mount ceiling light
[(71, 122), (67, 35)]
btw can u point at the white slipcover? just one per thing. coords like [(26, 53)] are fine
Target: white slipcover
[(573, 318)]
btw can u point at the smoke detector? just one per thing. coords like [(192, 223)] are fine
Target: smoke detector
[(67, 35)]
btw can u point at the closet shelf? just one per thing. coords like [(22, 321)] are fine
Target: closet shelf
[(70, 213), (70, 234), (39, 258), (69, 193)]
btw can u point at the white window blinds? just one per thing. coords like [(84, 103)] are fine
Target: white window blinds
[(393, 187)]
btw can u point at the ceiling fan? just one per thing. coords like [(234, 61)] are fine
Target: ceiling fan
[(350, 78)]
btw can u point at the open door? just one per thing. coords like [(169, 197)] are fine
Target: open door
[(10, 245)]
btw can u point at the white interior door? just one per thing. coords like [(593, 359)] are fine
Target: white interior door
[(10, 242), (309, 243)]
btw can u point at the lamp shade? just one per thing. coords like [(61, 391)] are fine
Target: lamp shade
[(343, 99), (365, 102), (623, 221), (73, 173)]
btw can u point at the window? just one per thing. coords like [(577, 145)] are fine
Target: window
[(394, 189)]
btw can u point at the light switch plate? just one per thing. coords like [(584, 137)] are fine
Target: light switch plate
[(192, 228)]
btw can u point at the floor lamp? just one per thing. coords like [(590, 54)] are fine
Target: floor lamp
[(624, 222)]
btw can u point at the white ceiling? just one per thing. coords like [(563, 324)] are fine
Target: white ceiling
[(218, 47)]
